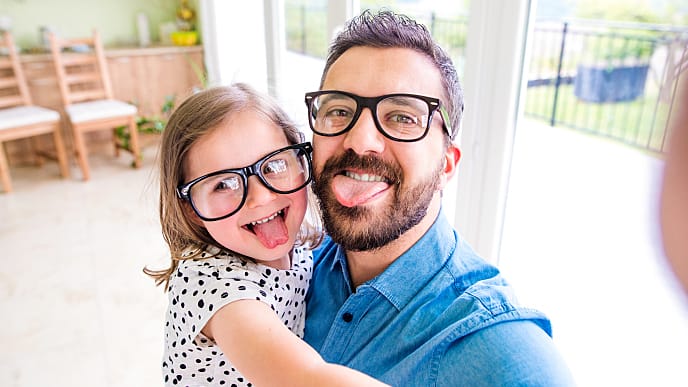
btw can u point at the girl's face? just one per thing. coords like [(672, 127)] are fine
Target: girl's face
[(265, 227)]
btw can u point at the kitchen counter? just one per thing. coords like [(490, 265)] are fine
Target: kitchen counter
[(114, 52)]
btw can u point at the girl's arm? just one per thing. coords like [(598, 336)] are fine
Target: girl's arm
[(267, 353)]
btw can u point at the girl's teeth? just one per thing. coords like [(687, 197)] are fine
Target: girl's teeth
[(271, 217)]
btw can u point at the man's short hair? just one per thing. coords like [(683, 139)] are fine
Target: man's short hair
[(387, 29)]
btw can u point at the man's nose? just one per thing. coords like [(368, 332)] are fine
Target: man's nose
[(364, 137)]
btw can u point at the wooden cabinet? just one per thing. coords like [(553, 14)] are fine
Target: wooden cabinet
[(146, 77), (143, 76)]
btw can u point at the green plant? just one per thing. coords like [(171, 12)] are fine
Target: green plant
[(613, 46), (201, 75), (613, 49), (150, 125), (636, 11)]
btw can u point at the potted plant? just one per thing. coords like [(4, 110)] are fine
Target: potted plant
[(186, 34), (153, 125)]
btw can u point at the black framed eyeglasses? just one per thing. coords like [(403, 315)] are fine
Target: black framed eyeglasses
[(400, 117), (220, 194)]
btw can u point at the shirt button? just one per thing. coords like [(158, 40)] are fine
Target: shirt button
[(347, 317)]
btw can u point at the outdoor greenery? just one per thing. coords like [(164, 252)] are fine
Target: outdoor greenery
[(306, 25), (639, 11), (306, 28), (593, 44), (635, 122), (619, 46), (621, 49)]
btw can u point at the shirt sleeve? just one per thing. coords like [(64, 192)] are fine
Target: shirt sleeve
[(513, 353), (203, 287)]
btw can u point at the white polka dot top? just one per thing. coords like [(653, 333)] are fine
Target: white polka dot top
[(199, 288)]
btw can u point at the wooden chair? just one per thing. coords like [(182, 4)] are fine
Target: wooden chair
[(19, 118), (87, 97)]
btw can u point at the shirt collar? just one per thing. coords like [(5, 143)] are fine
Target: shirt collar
[(409, 273), (339, 264), (403, 279)]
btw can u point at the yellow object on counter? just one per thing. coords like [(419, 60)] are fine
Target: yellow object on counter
[(184, 38)]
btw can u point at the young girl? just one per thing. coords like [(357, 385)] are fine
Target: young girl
[(233, 177)]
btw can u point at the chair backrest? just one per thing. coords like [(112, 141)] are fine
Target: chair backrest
[(13, 88), (81, 68)]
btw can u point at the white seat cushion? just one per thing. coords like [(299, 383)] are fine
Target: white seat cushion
[(26, 115), (95, 110)]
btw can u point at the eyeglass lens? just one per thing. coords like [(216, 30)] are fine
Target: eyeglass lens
[(219, 195), (400, 117)]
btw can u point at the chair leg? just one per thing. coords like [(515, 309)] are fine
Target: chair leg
[(81, 154), (35, 144), (134, 142), (4, 170), (60, 152)]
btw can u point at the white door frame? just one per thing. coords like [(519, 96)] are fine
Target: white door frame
[(495, 52)]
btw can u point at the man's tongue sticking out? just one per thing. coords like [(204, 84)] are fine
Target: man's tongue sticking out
[(352, 192), (272, 233)]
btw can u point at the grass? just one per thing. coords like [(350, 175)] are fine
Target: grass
[(640, 123)]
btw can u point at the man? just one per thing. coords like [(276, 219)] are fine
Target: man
[(396, 292)]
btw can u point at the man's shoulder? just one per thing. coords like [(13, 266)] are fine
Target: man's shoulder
[(481, 292), (511, 353), (325, 251)]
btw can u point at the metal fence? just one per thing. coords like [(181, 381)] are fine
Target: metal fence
[(616, 80)]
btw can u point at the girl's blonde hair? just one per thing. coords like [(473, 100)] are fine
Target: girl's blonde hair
[(194, 118)]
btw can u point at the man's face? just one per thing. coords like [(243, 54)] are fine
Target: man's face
[(373, 189)]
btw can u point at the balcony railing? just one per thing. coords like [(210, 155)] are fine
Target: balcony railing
[(616, 80)]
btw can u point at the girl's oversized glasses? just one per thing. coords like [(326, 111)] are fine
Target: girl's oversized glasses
[(221, 194), (400, 117)]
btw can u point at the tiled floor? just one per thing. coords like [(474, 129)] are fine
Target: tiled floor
[(77, 310), (579, 243)]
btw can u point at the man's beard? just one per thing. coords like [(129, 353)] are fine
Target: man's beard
[(360, 229)]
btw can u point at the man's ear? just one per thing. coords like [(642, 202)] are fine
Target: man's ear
[(451, 162)]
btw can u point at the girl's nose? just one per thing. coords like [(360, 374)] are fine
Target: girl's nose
[(258, 194)]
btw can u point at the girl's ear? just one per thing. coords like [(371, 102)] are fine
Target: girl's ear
[(451, 161)]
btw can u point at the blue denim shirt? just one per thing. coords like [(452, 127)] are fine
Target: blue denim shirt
[(439, 315)]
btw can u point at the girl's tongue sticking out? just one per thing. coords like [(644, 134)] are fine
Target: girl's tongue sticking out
[(271, 231)]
